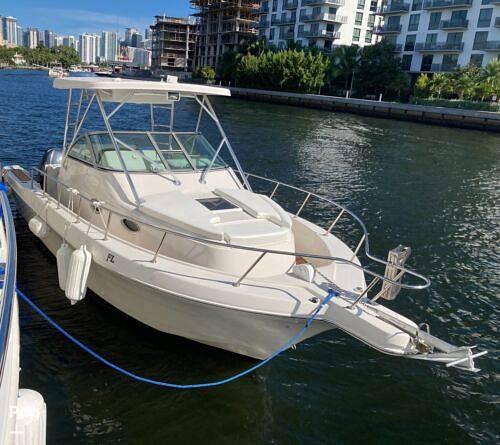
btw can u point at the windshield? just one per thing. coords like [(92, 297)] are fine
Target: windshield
[(136, 149), (171, 151), (148, 152), (199, 150)]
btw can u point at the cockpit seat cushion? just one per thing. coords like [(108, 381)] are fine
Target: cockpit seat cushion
[(258, 206), (184, 213)]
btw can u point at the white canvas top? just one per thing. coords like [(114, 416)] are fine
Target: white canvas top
[(120, 88)]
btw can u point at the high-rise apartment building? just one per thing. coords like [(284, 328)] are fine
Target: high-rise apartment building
[(129, 32), (9, 30), (317, 23), (136, 40), (20, 33), (49, 39), (69, 41), (222, 25), (41, 38), (89, 48), (173, 44), (440, 35), (31, 38), (109, 46)]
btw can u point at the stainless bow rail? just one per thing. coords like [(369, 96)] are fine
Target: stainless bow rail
[(164, 232), (7, 293)]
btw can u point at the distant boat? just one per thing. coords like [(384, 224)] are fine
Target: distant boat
[(58, 71), (76, 69)]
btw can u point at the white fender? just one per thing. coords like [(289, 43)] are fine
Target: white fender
[(63, 256), (31, 419), (78, 272), (39, 227)]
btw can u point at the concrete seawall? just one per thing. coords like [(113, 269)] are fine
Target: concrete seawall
[(453, 117)]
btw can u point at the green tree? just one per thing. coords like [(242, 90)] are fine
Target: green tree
[(206, 73), (380, 72), (492, 77), (438, 85), (422, 86), (228, 65), (66, 56), (345, 64)]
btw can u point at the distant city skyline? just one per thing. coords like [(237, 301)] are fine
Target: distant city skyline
[(91, 16)]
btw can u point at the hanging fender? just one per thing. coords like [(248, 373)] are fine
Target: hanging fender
[(63, 257), (78, 272), (39, 227)]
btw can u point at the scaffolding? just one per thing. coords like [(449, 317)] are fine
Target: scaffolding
[(173, 44), (222, 25)]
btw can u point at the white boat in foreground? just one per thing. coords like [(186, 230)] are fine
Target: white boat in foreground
[(158, 224), (22, 411)]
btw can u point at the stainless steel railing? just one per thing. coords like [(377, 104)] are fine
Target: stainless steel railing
[(164, 232), (9, 280)]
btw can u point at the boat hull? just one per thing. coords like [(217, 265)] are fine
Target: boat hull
[(252, 334)]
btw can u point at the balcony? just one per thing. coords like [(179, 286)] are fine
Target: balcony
[(287, 35), (320, 33), (290, 4), (281, 21), (392, 8), (387, 29), (447, 47), (264, 9), (323, 17), (323, 2), (488, 45), (453, 24), (447, 4), (443, 67)]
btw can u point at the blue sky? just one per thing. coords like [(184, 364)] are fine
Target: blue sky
[(76, 16)]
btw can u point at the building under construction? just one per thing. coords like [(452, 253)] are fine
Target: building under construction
[(173, 43), (222, 25)]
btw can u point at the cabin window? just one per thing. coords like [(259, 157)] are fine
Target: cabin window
[(81, 151), (136, 149), (200, 151)]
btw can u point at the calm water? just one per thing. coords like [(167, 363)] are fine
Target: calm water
[(435, 189)]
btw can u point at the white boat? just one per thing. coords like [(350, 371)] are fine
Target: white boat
[(158, 224), (22, 411), (57, 70)]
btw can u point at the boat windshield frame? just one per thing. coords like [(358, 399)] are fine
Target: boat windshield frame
[(175, 139), (88, 97)]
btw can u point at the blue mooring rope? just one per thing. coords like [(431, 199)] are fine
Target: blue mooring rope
[(293, 340)]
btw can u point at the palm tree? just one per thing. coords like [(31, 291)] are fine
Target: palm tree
[(440, 83), (346, 61), (492, 76)]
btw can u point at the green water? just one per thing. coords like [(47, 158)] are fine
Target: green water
[(434, 189)]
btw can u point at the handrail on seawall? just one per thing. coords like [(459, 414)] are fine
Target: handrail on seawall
[(164, 231), (9, 281)]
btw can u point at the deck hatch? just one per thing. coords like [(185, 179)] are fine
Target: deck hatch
[(215, 204)]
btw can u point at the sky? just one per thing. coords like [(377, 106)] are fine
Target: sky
[(73, 17)]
